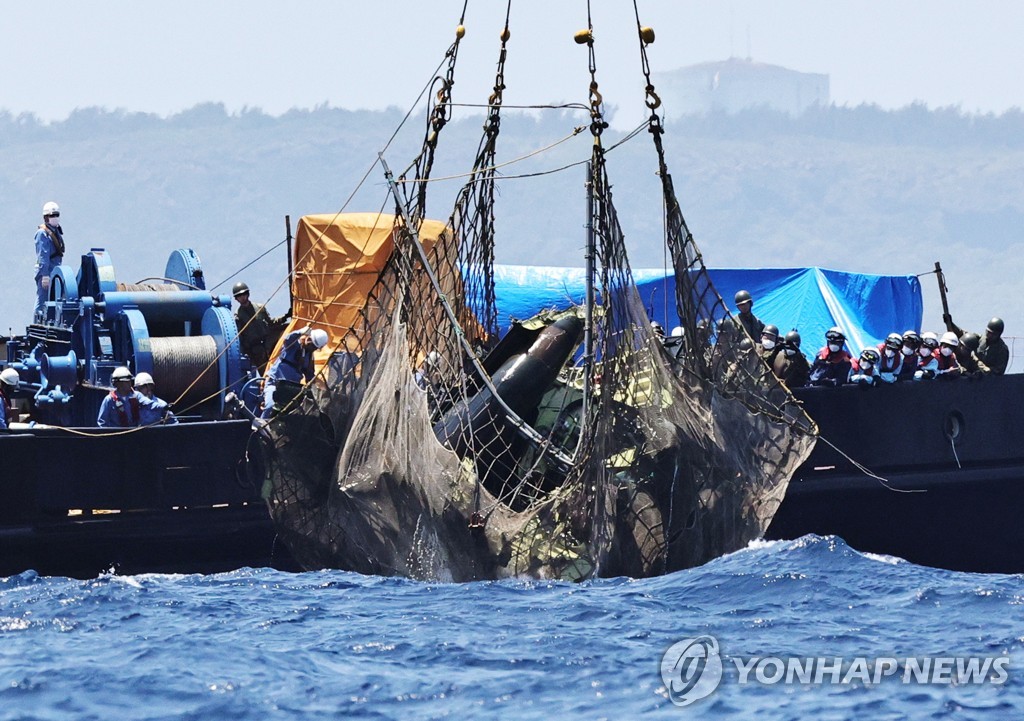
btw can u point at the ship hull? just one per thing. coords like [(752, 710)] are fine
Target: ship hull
[(950, 457), (170, 499)]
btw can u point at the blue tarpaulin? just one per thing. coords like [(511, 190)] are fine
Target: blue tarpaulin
[(811, 300)]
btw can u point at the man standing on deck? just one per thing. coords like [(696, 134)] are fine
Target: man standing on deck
[(750, 322), (257, 333), (49, 254), (9, 380)]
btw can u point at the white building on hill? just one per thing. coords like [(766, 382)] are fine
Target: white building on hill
[(736, 84)]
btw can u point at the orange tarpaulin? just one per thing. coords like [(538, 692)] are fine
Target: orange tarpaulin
[(337, 260)]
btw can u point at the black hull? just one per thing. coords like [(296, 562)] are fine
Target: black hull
[(169, 499), (929, 510)]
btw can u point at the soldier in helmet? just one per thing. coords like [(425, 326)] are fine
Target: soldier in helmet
[(992, 350), (967, 355), (791, 366), (49, 254), (748, 321), (257, 332)]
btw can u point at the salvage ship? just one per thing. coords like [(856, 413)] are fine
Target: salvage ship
[(84, 500)]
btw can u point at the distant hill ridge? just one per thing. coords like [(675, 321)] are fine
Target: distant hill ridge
[(859, 188)]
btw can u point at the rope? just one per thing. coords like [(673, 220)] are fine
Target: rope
[(863, 469)]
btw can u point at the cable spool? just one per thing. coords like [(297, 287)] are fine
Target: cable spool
[(177, 361), (139, 287)]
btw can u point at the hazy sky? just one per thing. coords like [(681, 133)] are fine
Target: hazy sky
[(165, 57)]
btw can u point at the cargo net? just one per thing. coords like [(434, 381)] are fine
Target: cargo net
[(433, 450)]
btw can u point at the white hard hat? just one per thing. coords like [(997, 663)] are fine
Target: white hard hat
[(677, 331), (10, 376), (51, 208), (144, 379), (121, 373), (319, 337), (949, 339)]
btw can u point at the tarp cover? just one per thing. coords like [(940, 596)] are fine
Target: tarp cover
[(811, 300), (338, 258)]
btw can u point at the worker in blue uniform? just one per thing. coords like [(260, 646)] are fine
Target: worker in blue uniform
[(159, 410), (122, 407), (49, 254), (8, 382), (294, 362)]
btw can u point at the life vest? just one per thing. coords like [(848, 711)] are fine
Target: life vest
[(947, 362), (133, 400), (889, 365), (839, 356)]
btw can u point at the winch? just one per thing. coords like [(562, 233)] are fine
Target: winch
[(170, 327)]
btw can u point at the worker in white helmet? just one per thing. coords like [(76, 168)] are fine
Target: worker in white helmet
[(9, 380), (159, 411), (123, 406), (294, 362), (49, 254)]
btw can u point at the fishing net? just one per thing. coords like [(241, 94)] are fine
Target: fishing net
[(577, 444)]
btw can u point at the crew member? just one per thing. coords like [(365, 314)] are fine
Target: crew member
[(8, 383), (257, 332), (294, 363), (122, 407), (927, 357), (948, 365), (158, 410), (832, 364), (49, 254), (864, 370), (890, 359), (911, 345), (750, 322)]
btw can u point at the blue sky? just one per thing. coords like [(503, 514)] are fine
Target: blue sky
[(57, 55)]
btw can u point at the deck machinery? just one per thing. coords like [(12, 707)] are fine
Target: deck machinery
[(170, 327)]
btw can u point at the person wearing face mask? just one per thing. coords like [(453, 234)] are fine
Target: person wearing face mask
[(890, 359), (911, 344), (949, 367), (927, 357), (768, 346), (791, 366), (832, 364), (864, 370), (49, 254)]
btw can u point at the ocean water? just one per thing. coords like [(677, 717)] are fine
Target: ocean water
[(261, 644)]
